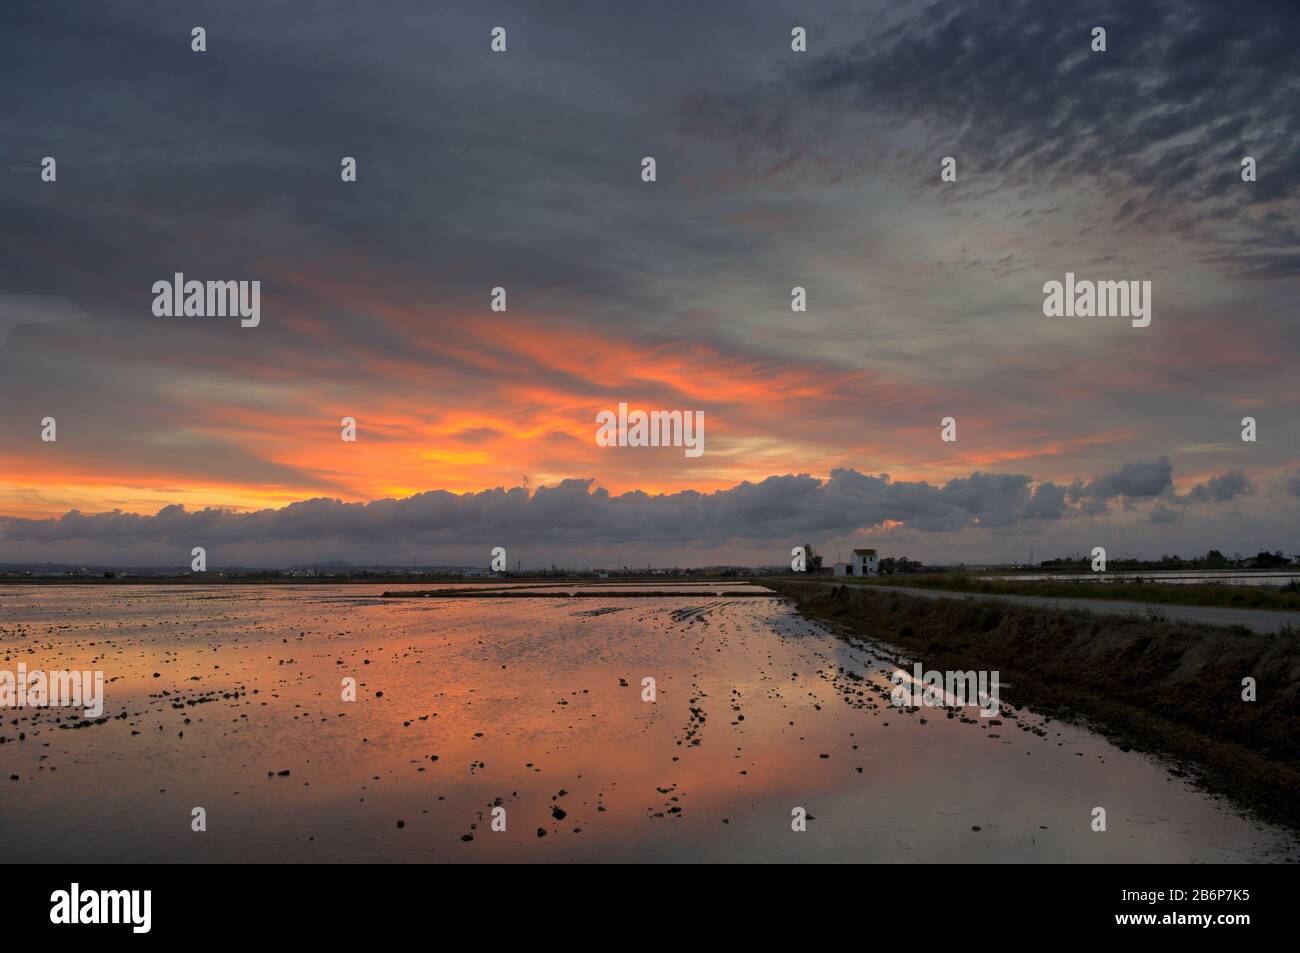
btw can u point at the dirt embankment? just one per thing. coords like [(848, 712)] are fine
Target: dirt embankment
[(1169, 688)]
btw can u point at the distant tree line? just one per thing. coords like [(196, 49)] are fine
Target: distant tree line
[(1211, 560), (891, 565)]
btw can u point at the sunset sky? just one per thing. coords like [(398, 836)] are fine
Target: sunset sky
[(522, 170)]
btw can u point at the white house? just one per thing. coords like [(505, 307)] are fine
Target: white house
[(865, 562)]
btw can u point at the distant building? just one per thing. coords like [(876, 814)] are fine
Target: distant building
[(865, 562), (476, 573)]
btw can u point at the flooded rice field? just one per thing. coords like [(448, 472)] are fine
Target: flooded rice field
[(233, 700)]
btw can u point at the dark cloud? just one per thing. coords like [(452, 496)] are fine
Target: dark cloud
[(1163, 514), (19, 310), (1141, 480), (1156, 125), (1047, 503), (513, 169), (1220, 489), (574, 514)]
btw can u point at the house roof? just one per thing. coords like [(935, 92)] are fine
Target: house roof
[(864, 552)]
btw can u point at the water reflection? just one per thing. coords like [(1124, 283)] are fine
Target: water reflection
[(535, 705)]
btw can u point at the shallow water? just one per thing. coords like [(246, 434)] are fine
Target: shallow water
[(521, 703)]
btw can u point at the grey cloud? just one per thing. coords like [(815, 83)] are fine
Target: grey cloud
[(516, 174), (19, 310), (1220, 489), (1133, 480), (1015, 90), (574, 513), (1047, 503), (1163, 514)]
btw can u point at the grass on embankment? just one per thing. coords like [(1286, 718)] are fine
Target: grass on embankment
[(1175, 594), (1169, 688)]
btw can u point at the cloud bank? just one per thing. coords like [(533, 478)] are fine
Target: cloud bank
[(575, 514)]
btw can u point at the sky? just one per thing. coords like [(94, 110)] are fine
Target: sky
[(522, 169)]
